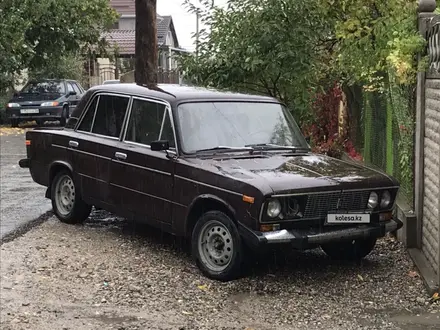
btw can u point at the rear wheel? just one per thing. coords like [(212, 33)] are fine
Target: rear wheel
[(351, 250), (217, 246), (66, 200)]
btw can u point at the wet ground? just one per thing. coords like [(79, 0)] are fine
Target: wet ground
[(21, 199), (108, 274)]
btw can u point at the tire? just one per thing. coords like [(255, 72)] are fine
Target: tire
[(39, 122), (14, 123), (351, 250), (221, 256), (66, 200), (64, 116)]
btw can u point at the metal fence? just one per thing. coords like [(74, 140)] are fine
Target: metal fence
[(382, 130)]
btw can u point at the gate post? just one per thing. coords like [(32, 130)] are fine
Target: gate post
[(426, 12)]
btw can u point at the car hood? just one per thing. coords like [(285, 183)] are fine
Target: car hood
[(302, 172), (34, 98)]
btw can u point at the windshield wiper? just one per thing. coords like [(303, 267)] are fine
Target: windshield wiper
[(270, 146), (226, 148)]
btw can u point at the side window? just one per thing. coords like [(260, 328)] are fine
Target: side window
[(87, 121), (69, 87), (110, 115), (76, 89), (167, 131), (145, 121)]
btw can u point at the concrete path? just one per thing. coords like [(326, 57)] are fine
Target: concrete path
[(21, 199)]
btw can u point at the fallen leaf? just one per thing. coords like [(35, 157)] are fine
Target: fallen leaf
[(203, 287), (186, 313), (360, 277), (435, 297)]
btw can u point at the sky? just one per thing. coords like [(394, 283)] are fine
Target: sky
[(184, 22)]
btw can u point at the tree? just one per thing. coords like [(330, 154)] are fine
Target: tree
[(146, 43), (35, 34)]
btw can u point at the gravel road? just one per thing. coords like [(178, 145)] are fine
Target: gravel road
[(103, 276)]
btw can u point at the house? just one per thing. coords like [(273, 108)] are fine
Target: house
[(121, 38)]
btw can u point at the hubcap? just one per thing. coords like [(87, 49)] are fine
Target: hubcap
[(215, 245), (65, 195)]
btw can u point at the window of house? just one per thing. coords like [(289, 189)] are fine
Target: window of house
[(87, 121), (110, 115), (146, 121)]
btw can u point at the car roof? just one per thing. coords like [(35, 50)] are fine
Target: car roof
[(175, 94)]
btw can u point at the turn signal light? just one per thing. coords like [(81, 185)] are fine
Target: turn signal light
[(248, 199), (28, 142), (386, 216), (272, 227)]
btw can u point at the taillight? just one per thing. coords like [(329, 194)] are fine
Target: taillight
[(28, 142)]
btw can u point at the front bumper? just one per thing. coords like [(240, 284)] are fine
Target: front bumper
[(311, 237), (43, 113)]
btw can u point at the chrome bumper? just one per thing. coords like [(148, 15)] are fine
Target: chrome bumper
[(312, 237)]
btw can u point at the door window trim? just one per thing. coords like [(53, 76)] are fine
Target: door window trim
[(98, 95), (167, 110)]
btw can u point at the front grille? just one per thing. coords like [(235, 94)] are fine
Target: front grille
[(318, 205)]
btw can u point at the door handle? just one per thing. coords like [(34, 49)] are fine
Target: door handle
[(120, 155), (73, 144)]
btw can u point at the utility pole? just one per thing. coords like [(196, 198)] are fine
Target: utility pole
[(197, 31), (146, 56)]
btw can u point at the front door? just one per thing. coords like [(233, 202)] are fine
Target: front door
[(142, 179)]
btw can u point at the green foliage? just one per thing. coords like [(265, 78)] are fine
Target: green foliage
[(35, 34), (377, 39), (262, 46), (68, 66)]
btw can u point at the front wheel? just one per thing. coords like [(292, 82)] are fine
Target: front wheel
[(14, 122), (217, 247), (351, 250), (66, 201)]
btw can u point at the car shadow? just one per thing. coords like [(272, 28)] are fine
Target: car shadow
[(280, 263)]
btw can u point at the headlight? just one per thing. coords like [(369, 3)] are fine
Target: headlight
[(49, 104), (386, 199), (13, 105), (273, 208), (373, 200)]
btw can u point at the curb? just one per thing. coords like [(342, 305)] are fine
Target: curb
[(23, 229)]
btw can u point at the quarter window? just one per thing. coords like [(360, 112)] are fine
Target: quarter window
[(110, 115), (76, 88), (86, 123), (145, 121), (167, 131), (69, 87)]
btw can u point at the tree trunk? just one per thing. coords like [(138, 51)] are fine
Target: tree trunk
[(146, 43)]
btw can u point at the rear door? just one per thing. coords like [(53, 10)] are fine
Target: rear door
[(141, 179), (93, 145)]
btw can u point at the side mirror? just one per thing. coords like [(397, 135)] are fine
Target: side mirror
[(71, 93), (160, 145)]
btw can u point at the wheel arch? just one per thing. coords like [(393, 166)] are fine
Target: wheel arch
[(55, 168), (203, 204)]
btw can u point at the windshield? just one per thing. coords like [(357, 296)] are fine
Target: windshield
[(206, 125), (44, 87)]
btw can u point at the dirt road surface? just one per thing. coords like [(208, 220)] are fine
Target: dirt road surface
[(107, 274), (21, 199)]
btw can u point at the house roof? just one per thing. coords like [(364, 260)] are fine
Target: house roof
[(125, 39), (123, 7)]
